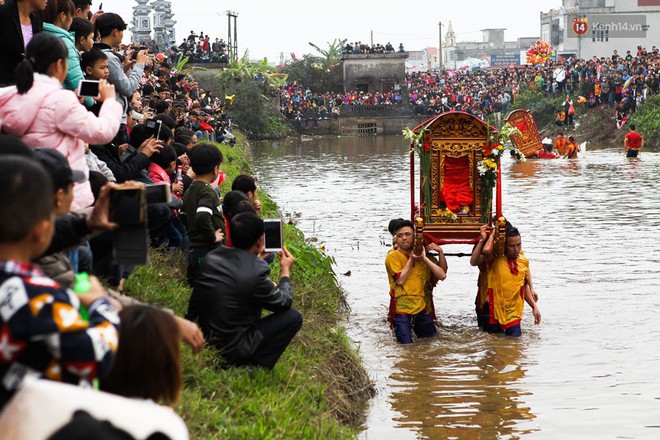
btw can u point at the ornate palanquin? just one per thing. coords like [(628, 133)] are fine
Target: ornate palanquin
[(457, 142), (529, 139)]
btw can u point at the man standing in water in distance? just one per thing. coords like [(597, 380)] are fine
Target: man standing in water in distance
[(409, 276), (633, 142)]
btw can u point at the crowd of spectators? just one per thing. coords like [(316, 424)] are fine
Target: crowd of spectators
[(77, 172), (361, 48), (200, 49), (621, 82), (303, 107)]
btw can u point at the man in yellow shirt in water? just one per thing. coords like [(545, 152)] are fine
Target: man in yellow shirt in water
[(508, 284), (410, 278)]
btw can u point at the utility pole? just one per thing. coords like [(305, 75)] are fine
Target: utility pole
[(281, 58), (440, 45), (372, 38), (232, 40)]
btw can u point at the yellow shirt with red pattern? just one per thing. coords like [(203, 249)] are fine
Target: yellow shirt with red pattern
[(411, 296), (506, 281)]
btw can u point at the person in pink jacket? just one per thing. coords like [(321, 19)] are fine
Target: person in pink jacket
[(42, 114)]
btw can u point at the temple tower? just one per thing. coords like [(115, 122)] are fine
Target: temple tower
[(141, 29), (159, 8), (450, 36)]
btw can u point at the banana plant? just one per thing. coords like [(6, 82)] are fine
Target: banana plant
[(331, 55), (245, 70), (181, 63)]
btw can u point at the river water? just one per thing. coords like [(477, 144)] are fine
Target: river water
[(590, 228)]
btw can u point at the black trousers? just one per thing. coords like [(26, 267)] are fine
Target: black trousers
[(278, 330)]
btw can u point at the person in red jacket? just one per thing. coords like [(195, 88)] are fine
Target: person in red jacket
[(633, 142), (546, 152)]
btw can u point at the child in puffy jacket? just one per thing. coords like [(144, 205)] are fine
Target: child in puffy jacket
[(42, 114)]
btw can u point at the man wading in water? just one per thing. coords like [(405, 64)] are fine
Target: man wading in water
[(509, 284), (411, 277)]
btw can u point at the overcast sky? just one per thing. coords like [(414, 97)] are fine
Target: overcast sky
[(267, 28)]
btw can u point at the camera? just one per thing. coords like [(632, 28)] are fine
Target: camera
[(135, 52), (153, 128), (128, 209)]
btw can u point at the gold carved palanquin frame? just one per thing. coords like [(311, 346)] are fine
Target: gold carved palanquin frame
[(455, 134), (529, 140)]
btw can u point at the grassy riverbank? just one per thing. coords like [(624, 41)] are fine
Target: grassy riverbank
[(319, 388)]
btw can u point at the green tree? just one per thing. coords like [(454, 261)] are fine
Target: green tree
[(245, 70), (310, 72), (647, 121)]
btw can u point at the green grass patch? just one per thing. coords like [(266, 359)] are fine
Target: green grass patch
[(647, 121), (318, 389)]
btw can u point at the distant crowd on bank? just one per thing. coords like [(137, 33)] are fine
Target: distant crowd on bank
[(362, 48), (621, 82), (94, 138), (201, 49)]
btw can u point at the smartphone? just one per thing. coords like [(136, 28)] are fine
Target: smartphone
[(127, 206), (88, 88), (153, 128), (135, 52), (100, 6), (273, 235), (158, 193)]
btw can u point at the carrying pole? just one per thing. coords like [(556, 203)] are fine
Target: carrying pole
[(498, 201), (412, 184)]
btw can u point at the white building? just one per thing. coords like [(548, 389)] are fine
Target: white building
[(492, 50), (587, 28), (422, 60)]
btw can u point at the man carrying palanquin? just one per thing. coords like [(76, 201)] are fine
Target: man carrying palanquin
[(560, 144), (509, 284), (411, 278)]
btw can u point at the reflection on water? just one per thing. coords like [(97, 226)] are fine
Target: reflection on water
[(590, 228), (439, 386)]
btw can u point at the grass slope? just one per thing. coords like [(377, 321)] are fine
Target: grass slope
[(319, 388)]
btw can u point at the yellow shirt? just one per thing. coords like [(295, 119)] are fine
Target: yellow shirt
[(410, 298), (505, 290), (482, 288)]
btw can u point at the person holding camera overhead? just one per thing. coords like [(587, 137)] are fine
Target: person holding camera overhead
[(42, 114), (111, 29), (232, 288)]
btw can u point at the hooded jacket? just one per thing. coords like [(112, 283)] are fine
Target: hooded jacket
[(75, 74), (48, 116)]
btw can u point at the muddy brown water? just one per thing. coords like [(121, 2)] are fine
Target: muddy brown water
[(591, 230)]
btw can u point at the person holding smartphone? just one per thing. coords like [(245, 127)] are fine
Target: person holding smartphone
[(41, 113), (232, 289)]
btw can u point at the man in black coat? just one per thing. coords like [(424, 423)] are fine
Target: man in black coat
[(232, 289), (11, 34)]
